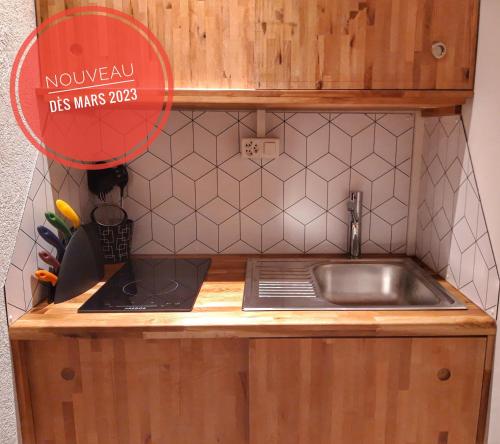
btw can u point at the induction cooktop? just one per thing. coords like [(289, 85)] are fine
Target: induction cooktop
[(143, 285)]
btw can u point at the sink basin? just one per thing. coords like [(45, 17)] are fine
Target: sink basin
[(343, 284), (373, 285)]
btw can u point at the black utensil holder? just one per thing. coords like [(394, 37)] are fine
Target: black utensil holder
[(82, 265), (115, 241)]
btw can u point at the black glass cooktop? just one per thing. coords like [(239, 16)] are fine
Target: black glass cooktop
[(150, 285)]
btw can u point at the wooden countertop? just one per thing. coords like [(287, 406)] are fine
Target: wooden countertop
[(217, 313)]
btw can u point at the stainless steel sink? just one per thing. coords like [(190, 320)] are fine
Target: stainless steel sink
[(343, 284)]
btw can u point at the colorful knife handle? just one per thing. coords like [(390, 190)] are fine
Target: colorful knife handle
[(49, 259), (68, 212), (49, 237), (58, 224), (46, 276)]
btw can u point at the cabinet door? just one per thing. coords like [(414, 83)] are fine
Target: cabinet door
[(374, 44), (210, 43), (131, 391), (366, 391)]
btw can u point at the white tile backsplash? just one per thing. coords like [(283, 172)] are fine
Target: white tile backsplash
[(192, 192), (50, 181), (452, 237), (213, 200)]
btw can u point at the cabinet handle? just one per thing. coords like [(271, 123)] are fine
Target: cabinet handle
[(444, 374), (439, 50), (67, 374)]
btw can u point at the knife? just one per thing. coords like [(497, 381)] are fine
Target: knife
[(49, 237), (46, 276), (58, 224), (49, 259), (67, 211)]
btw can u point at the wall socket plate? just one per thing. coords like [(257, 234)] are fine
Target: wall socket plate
[(260, 148)]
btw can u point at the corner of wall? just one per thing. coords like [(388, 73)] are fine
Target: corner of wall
[(452, 235), (50, 181)]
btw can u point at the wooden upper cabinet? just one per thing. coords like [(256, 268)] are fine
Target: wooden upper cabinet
[(210, 43), (371, 44), (231, 53)]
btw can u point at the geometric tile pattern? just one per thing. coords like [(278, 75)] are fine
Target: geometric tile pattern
[(452, 236), (192, 192), (50, 181)]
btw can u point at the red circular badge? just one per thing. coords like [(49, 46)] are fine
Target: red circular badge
[(91, 87)]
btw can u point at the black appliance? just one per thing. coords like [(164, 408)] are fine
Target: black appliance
[(152, 284)]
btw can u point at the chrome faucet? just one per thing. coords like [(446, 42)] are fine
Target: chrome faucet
[(354, 208)]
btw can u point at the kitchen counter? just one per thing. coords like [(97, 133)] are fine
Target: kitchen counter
[(217, 313)]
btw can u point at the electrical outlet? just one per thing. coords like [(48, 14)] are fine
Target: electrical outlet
[(260, 148), (250, 148)]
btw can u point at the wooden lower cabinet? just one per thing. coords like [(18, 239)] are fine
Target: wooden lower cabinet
[(257, 391), (366, 391), (130, 391)]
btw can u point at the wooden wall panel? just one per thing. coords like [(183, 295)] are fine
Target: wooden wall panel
[(370, 391), (210, 43), (375, 44), (104, 391)]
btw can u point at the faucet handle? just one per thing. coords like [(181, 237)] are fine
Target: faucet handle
[(354, 204)]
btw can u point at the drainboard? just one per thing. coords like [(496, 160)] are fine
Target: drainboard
[(284, 280)]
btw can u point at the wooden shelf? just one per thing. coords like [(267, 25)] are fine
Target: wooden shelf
[(437, 102), (319, 100)]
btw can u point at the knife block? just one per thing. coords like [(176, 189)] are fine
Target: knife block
[(82, 265)]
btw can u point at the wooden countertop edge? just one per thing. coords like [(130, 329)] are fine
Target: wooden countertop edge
[(218, 313), (327, 99), (252, 332)]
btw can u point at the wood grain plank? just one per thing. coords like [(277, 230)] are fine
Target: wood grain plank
[(384, 39), (23, 391), (439, 112), (371, 391), (210, 43), (234, 391), (217, 313), (485, 391), (319, 100), (377, 44), (244, 46), (101, 391)]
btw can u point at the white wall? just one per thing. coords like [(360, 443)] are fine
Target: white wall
[(482, 117), (17, 158)]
